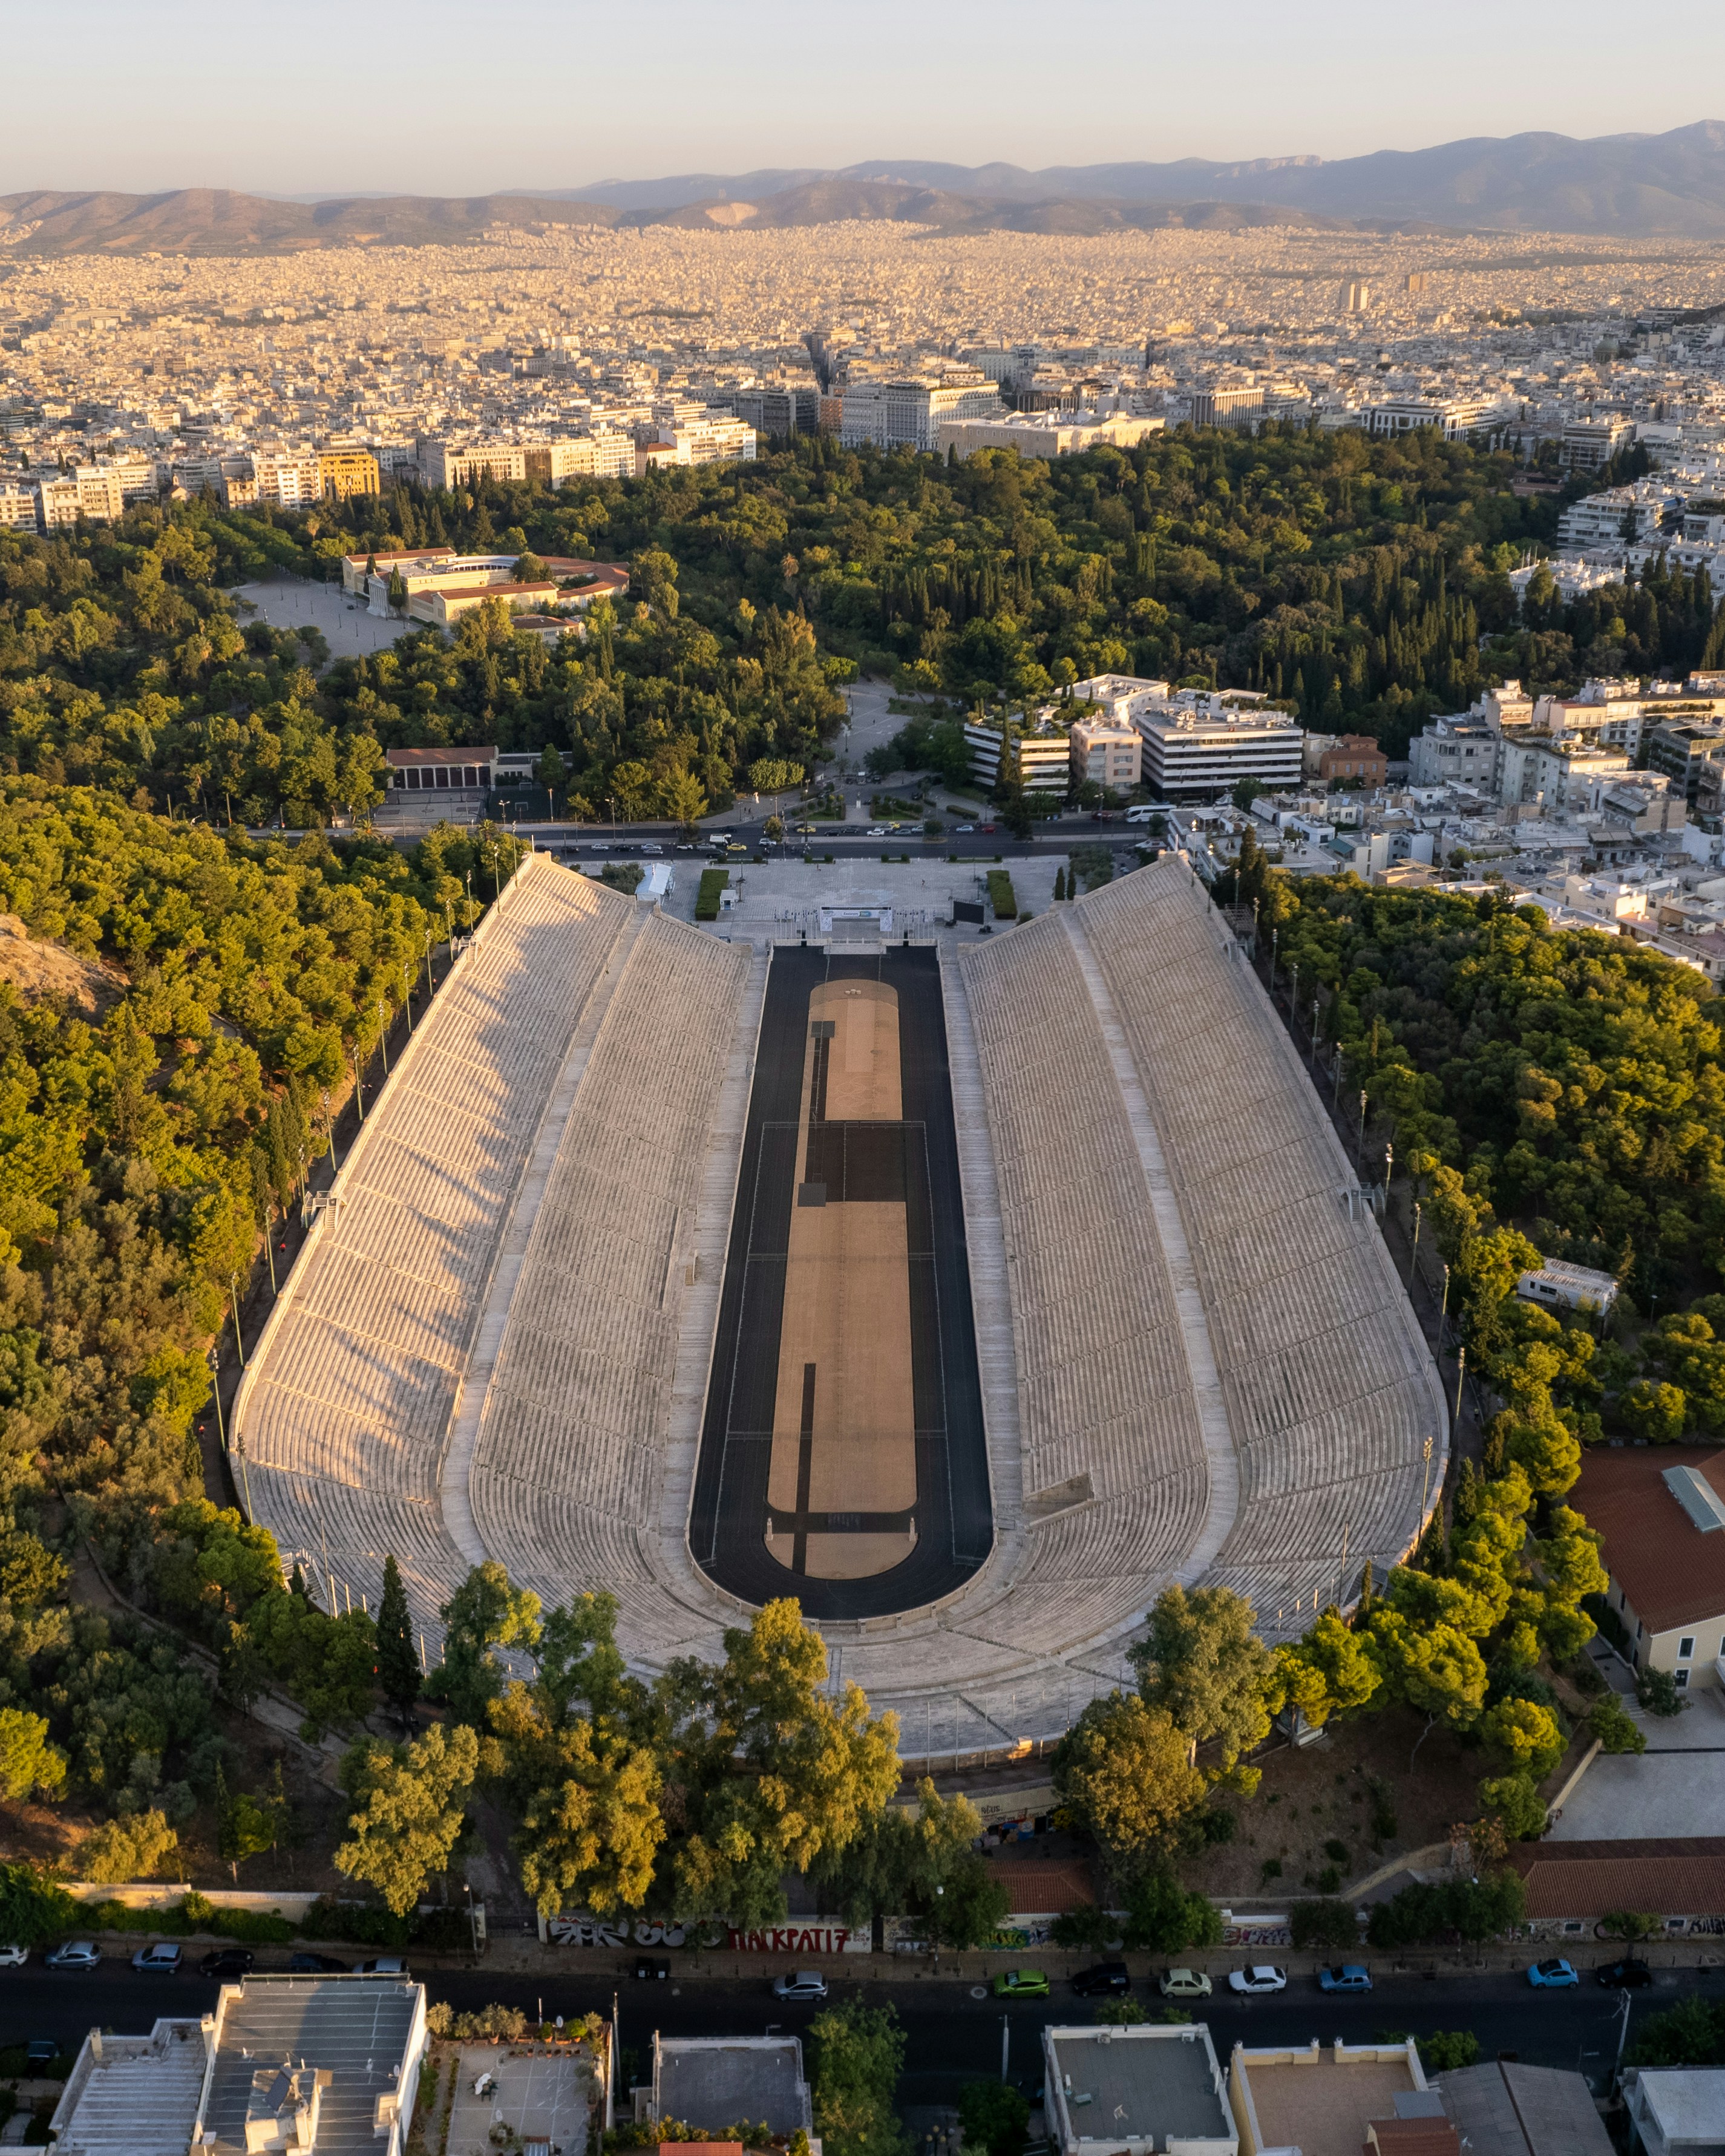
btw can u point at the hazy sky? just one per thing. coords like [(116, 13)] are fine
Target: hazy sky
[(306, 95)]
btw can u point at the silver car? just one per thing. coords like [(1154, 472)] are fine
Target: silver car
[(806, 1983), (76, 1953)]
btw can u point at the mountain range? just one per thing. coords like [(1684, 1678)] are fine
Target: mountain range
[(1625, 186)]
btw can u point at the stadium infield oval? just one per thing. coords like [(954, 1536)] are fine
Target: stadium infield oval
[(842, 1456)]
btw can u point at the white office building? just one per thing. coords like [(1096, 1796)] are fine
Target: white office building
[(1044, 753), (1197, 750), (907, 415)]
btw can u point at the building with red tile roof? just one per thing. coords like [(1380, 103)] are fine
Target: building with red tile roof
[(1661, 1510)]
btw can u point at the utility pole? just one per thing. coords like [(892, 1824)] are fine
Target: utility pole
[(383, 1036), (1444, 1311)]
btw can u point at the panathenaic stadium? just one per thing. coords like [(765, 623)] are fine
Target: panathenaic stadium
[(971, 1292)]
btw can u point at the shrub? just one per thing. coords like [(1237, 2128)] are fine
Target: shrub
[(1691, 2033), (127, 1849), (1325, 1922), (1337, 1852), (1616, 1731), (1122, 2012), (706, 898), (995, 2117), (1002, 896), (1384, 1816), (1088, 1925), (1657, 1692), (1515, 1799), (1218, 1824), (1474, 1910), (32, 1908)]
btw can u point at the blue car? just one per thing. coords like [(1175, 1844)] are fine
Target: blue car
[(1552, 1976), (1351, 1976)]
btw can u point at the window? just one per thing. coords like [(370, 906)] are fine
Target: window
[(1682, 1679), (1686, 1650)]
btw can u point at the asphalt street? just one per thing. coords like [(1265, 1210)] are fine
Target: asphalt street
[(953, 2037)]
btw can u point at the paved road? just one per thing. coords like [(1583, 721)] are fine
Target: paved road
[(952, 2037)]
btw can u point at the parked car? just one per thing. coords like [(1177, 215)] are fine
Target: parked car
[(383, 1965), (316, 1964), (227, 1961), (1021, 1983), (1106, 1980), (76, 1953), (986, 827), (13, 1957), (1552, 1975), (161, 1960), (650, 847), (806, 1983), (42, 2050), (656, 1967), (1249, 1981), (963, 830), (1350, 1976), (1184, 1984), (1626, 1975)]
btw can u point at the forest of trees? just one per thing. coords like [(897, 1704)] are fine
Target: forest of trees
[(1363, 583)]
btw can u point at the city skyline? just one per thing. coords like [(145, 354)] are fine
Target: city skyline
[(452, 114)]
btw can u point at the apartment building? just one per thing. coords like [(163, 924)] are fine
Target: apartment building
[(91, 491), (712, 439), (779, 413), (1042, 752), (345, 471), (1615, 517), (1460, 751), (1106, 753), (907, 414), (1680, 748), (1197, 750), (18, 508), (1590, 444), (449, 465), (609, 454), (1553, 772)]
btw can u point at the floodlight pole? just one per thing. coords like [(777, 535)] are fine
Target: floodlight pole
[(1461, 1373), (1414, 1257)]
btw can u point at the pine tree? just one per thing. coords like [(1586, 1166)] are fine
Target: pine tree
[(397, 1665), (1060, 889)]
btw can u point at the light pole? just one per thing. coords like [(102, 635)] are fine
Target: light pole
[(1360, 1144), (329, 1124), (1461, 1373), (1444, 1310), (239, 1338), (472, 1920), (1314, 1035), (1388, 1170), (1414, 1257)]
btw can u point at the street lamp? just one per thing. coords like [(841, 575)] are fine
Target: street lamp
[(1360, 1144), (1414, 1258)]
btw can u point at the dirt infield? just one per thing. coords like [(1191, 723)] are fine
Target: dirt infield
[(844, 1425), (842, 1456)]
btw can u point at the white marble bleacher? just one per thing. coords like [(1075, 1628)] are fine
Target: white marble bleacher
[(567, 1470), (1104, 1390), (344, 1415), (1329, 1393)]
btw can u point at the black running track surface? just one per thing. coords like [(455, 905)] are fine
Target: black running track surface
[(954, 1517)]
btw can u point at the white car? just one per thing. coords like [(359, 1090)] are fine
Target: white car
[(13, 1957), (806, 1983), (1251, 1981), (76, 1953)]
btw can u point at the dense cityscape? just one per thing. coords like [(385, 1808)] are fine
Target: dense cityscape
[(1136, 824)]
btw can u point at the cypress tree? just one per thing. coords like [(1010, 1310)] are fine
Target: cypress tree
[(397, 1665)]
